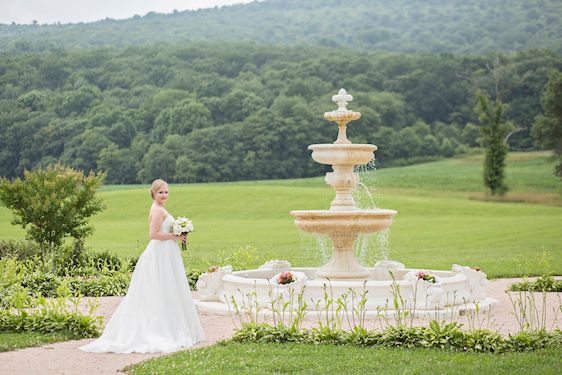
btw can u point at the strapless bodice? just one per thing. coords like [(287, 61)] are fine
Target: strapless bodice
[(167, 224)]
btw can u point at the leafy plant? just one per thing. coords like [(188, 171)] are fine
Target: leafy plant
[(447, 336), (545, 283), (19, 249), (52, 203)]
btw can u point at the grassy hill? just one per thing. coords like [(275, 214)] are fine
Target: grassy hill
[(455, 26), (439, 221)]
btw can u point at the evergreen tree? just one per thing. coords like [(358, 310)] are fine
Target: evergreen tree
[(493, 132)]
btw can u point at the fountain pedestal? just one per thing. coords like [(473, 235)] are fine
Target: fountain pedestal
[(342, 264)]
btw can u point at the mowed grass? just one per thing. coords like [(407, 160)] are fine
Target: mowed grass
[(17, 340), (438, 223), (292, 358)]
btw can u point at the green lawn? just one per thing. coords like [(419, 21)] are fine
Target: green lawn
[(17, 340), (438, 223), (235, 358)]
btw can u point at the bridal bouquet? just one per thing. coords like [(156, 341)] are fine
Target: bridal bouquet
[(182, 225)]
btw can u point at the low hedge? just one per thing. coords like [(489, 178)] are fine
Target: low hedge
[(545, 283), (437, 335), (44, 321)]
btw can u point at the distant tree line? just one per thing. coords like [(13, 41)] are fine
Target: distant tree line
[(200, 112), (471, 27)]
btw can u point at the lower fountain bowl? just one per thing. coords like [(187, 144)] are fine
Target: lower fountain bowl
[(460, 289)]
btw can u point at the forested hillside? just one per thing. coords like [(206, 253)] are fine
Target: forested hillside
[(219, 112), (436, 26)]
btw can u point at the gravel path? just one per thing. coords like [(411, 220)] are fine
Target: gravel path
[(65, 358)]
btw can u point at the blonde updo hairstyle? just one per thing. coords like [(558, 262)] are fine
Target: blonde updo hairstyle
[(156, 185)]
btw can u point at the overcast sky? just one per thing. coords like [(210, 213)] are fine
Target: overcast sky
[(66, 11)]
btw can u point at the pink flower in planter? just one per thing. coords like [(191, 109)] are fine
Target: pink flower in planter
[(427, 276), (286, 277)]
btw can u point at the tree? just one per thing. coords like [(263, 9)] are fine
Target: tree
[(52, 204), (547, 129), (493, 132)]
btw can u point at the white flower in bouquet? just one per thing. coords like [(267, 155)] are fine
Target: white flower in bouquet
[(182, 225)]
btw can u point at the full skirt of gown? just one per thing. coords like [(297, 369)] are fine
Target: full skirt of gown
[(158, 313)]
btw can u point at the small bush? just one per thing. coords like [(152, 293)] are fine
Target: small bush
[(42, 284), (545, 283), (18, 249), (100, 286), (47, 320), (46, 285), (53, 203)]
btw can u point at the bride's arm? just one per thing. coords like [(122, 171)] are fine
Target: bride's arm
[(156, 218)]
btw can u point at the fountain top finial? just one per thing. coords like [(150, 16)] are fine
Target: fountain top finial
[(342, 116), (341, 99)]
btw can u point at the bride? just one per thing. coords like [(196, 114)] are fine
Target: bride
[(157, 314)]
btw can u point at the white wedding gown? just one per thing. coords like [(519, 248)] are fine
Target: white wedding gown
[(158, 313)]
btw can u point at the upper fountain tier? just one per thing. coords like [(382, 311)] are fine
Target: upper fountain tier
[(342, 155)]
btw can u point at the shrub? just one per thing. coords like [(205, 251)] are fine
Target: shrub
[(90, 263), (42, 284), (18, 249), (100, 286), (46, 285), (52, 204), (545, 283)]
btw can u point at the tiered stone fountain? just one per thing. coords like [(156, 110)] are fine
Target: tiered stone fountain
[(343, 222), (454, 291)]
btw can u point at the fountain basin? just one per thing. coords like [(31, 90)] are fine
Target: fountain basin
[(457, 290), (343, 154)]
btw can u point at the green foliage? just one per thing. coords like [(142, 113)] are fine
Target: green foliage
[(52, 203), (547, 128), (493, 133), (436, 335), (545, 283), (192, 277), (47, 321), (237, 256), (204, 119), (23, 309), (397, 26), (18, 249)]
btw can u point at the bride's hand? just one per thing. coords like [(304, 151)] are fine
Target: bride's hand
[(183, 237)]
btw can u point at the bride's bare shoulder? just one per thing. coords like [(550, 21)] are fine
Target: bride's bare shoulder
[(157, 212)]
